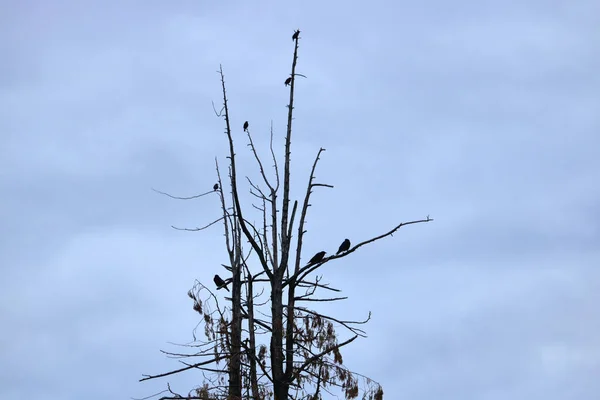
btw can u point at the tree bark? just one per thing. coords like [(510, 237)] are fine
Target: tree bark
[(280, 384), (235, 376), (252, 340)]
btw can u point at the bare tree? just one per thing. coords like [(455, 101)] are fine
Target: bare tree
[(269, 340)]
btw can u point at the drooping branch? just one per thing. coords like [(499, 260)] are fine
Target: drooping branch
[(328, 350), (346, 324), (183, 198)]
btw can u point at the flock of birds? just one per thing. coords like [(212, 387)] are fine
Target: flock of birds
[(317, 258), (287, 81)]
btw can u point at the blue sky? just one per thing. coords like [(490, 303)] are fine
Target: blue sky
[(483, 115)]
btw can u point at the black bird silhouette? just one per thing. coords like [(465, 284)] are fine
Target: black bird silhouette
[(288, 80), (216, 187), (317, 258), (220, 283), (344, 246), (295, 35), (245, 126)]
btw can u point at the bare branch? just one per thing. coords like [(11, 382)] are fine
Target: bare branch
[(183, 198), (303, 217), (255, 187), (389, 233), (302, 298), (321, 354), (198, 229), (286, 172), (234, 188), (345, 324), (274, 159), (307, 269), (187, 367), (257, 158)]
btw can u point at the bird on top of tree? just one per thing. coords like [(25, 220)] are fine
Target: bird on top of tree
[(344, 246), (216, 187), (220, 283), (295, 35), (288, 81), (317, 258), (245, 126)]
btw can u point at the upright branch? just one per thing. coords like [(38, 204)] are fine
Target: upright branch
[(289, 348), (234, 187), (272, 199), (286, 174), (251, 348), (281, 381)]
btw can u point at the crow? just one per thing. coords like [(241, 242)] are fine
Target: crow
[(344, 246), (245, 126), (216, 187), (288, 80), (317, 258), (295, 35), (220, 283)]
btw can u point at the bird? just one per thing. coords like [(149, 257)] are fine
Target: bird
[(216, 187), (317, 258), (220, 283), (245, 126), (288, 80), (344, 246), (295, 35)]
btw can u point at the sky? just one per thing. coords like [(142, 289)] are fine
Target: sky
[(481, 114)]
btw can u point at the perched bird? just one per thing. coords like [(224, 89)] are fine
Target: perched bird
[(288, 80), (317, 258), (220, 283), (295, 35), (344, 246), (245, 126), (216, 187)]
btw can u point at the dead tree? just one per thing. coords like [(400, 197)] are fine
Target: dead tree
[(265, 341)]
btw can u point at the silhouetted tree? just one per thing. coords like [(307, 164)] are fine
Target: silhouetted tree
[(278, 347)]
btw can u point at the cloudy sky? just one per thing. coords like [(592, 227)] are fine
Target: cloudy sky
[(482, 114)]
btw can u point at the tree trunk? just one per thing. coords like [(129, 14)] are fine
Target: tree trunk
[(235, 377), (280, 384), (252, 339)]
